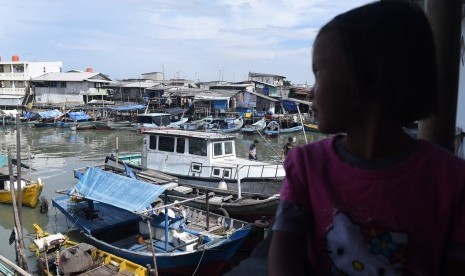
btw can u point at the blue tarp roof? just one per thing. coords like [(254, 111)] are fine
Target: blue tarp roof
[(79, 116), (128, 108), (4, 161), (50, 114), (290, 106), (117, 190)]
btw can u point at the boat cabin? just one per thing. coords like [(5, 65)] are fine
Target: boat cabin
[(159, 119), (200, 147)]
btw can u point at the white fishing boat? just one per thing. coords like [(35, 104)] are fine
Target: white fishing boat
[(206, 158)]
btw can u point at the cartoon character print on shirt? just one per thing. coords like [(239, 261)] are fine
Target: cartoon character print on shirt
[(365, 250)]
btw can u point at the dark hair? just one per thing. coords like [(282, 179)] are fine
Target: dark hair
[(255, 141), (389, 46)]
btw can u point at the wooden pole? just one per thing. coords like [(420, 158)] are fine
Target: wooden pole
[(207, 217), (445, 19), (116, 152), (18, 169), (21, 254), (14, 266), (155, 269), (302, 123), (239, 188)]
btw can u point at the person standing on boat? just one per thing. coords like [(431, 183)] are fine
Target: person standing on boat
[(288, 146), (253, 150)]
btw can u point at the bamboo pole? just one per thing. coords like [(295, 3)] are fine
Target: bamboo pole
[(18, 169), (21, 254), (272, 148), (155, 268), (14, 266), (117, 153)]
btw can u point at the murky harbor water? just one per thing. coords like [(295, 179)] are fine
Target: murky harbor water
[(56, 152)]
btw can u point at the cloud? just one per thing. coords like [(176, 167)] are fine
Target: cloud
[(199, 38)]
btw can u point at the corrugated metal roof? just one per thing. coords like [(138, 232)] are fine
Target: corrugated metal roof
[(72, 76), (263, 96)]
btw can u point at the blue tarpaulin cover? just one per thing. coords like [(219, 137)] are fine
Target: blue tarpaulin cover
[(117, 190), (50, 114), (290, 106), (79, 116), (220, 104)]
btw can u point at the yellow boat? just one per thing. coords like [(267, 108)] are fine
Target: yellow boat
[(78, 258), (30, 193), (311, 127)]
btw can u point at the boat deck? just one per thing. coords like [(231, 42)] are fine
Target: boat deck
[(107, 270)]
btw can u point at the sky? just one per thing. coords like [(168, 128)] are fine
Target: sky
[(202, 40)]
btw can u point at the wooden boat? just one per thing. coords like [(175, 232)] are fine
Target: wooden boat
[(30, 191), (152, 120), (311, 127), (122, 216), (197, 124), (291, 129), (254, 128), (85, 126), (272, 129), (247, 207), (225, 125), (204, 158), (77, 258)]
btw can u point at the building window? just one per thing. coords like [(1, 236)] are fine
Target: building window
[(63, 84)]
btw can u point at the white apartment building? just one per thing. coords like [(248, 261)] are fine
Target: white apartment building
[(15, 76)]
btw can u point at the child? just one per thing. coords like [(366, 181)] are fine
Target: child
[(372, 201)]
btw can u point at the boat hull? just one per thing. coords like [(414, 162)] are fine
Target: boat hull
[(266, 186), (311, 128), (29, 194)]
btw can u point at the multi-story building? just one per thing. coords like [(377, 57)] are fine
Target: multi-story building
[(15, 76)]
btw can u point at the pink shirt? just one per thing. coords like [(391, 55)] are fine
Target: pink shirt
[(402, 218)]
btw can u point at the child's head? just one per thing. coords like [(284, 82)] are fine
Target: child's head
[(381, 53)]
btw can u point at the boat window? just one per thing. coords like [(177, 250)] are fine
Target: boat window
[(153, 142), (227, 173), (180, 145), (216, 172), (228, 148), (196, 167), (166, 143), (218, 149), (197, 147)]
